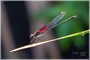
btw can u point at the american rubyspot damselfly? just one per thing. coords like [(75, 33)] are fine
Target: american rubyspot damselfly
[(56, 21)]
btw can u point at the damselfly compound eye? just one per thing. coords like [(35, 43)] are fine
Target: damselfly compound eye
[(31, 36)]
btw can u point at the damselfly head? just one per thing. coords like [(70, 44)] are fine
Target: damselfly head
[(36, 35), (32, 35)]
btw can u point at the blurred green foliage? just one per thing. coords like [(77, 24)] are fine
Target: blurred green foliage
[(79, 8)]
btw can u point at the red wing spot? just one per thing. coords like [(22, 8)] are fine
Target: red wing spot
[(43, 29)]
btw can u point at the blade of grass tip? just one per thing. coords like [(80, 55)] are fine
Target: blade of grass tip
[(36, 44)]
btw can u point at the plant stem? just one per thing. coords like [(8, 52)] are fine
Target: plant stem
[(39, 43)]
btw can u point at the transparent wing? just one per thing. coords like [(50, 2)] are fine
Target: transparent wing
[(55, 20)]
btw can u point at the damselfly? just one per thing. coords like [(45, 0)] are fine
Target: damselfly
[(56, 21)]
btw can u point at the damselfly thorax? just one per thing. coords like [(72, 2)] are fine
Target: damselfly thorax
[(39, 32)]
